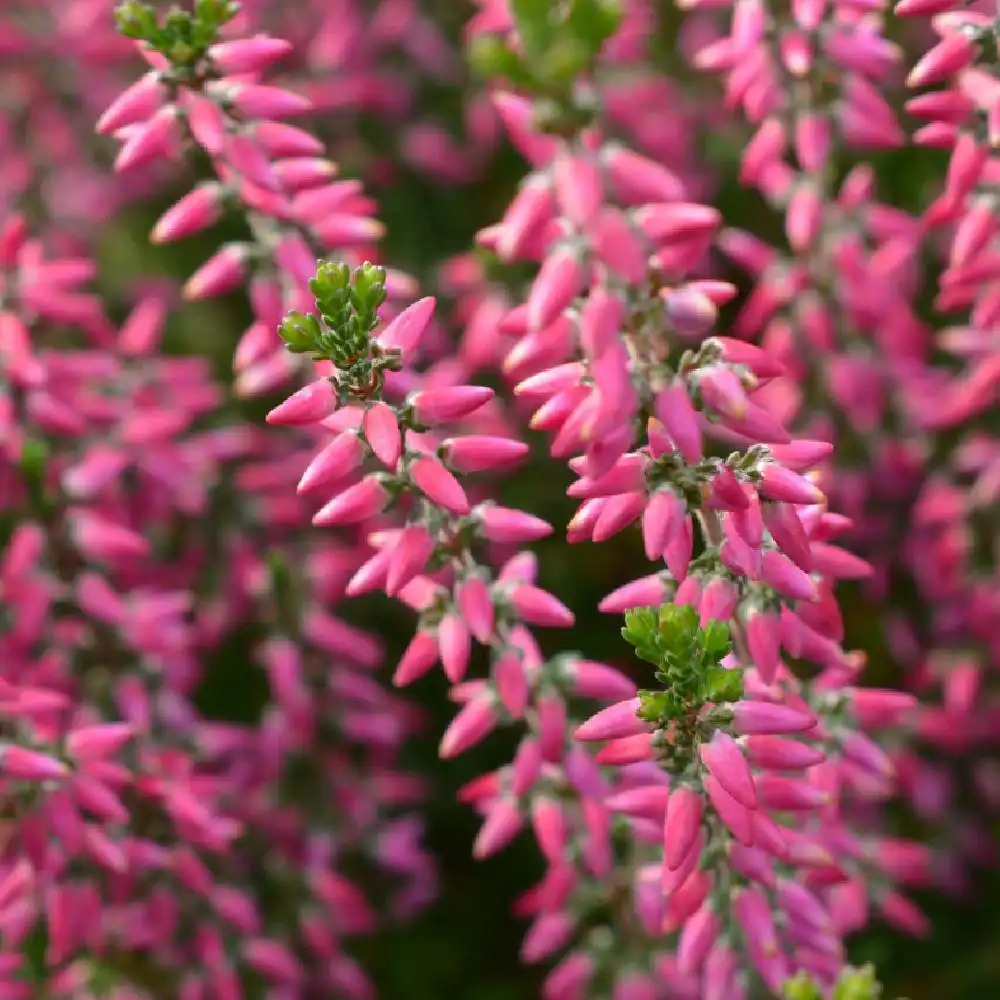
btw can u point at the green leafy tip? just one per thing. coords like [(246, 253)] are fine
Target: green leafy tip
[(347, 302), (854, 984), (184, 37), (688, 660)]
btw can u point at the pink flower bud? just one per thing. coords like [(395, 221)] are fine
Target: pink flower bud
[(548, 934), (273, 961), (878, 708), (618, 245), (600, 321), (503, 823), (627, 475), (737, 818), (512, 683), (420, 655), (718, 601), (538, 607), (439, 485), (297, 173), (150, 141), (676, 412), (136, 104), (617, 514), (552, 381), (578, 187), (953, 53), (648, 801), (382, 431), (839, 564), (248, 55), (681, 825), (194, 212), (763, 635), (753, 718), (677, 221), (803, 218), (614, 722), (476, 604), (781, 754), (437, 406), (279, 140), (502, 524), (925, 8), (638, 180), (414, 548), (726, 763), (474, 722), (338, 459), (660, 520), (218, 275), (256, 101), (569, 979), (105, 540), (647, 592), (783, 522), (785, 577), (309, 405), (98, 742), (455, 645), (679, 549), (517, 115), (357, 503), (596, 680), (784, 794), (559, 281), (30, 765), (479, 452), (698, 936)]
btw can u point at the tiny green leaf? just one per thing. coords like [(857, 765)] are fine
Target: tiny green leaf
[(535, 26), (300, 332), (722, 685)]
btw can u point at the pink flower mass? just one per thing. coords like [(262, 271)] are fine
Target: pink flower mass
[(334, 336)]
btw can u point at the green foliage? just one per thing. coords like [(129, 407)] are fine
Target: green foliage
[(348, 303), (184, 36), (559, 43), (854, 984), (688, 660)]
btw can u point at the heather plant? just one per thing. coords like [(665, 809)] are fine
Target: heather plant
[(437, 301)]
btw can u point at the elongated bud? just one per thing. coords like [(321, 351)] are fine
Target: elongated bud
[(150, 141), (479, 452), (765, 718), (218, 275), (30, 765), (382, 431), (136, 104), (257, 101), (307, 406), (248, 55), (196, 211), (725, 761), (473, 723), (439, 484), (614, 722), (680, 826), (357, 503), (503, 524), (437, 406)]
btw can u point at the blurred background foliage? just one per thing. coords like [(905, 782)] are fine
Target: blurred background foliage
[(465, 946)]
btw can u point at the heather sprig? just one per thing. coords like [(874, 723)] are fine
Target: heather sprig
[(713, 830), (853, 984)]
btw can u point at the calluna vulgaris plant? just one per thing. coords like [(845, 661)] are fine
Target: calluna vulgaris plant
[(768, 374)]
